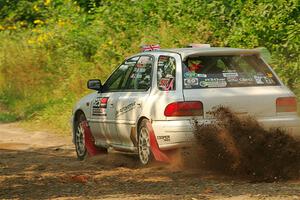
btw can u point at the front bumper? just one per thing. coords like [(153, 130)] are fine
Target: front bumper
[(180, 133)]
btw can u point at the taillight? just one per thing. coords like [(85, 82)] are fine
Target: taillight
[(286, 104), (184, 108)]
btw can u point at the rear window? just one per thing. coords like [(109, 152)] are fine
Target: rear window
[(226, 71)]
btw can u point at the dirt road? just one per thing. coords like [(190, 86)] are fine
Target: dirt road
[(40, 165)]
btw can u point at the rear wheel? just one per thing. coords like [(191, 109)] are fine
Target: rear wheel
[(81, 150), (144, 151)]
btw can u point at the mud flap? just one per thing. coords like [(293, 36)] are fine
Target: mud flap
[(157, 153), (89, 140)]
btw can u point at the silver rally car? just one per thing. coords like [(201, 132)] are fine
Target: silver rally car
[(151, 100)]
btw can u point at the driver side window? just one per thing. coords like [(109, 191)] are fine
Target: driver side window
[(141, 76), (118, 79)]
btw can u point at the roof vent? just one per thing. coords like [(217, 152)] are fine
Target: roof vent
[(195, 45)]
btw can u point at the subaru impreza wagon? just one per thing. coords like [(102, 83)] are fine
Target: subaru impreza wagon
[(151, 101)]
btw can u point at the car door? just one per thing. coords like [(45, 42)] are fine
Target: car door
[(104, 106), (98, 117), (130, 102)]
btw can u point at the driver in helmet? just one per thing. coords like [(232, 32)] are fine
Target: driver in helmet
[(194, 67)]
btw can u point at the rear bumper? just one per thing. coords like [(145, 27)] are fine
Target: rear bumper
[(173, 134), (291, 124), (179, 133)]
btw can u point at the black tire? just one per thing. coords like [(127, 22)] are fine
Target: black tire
[(144, 150), (80, 148)]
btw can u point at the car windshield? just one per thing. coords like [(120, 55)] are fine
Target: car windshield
[(226, 71)]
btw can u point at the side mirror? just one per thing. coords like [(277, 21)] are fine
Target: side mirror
[(94, 84)]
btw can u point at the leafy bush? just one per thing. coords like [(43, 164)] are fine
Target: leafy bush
[(50, 48)]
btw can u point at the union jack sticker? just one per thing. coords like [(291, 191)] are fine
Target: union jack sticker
[(152, 47)]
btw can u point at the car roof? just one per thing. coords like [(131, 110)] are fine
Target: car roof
[(207, 51)]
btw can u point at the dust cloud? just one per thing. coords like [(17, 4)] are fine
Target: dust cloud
[(240, 146), (235, 146)]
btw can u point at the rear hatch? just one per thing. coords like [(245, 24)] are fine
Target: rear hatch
[(254, 101), (244, 83)]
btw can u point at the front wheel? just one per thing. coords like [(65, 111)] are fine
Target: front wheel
[(80, 147), (144, 151)]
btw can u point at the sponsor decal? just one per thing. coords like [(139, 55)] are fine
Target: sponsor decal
[(133, 76), (233, 79), (240, 81), (268, 80), (230, 74), (163, 59), (191, 74), (99, 106), (246, 80), (229, 71), (160, 64), (126, 109), (130, 63), (263, 80), (213, 82), (203, 84), (202, 75), (165, 138), (166, 84), (258, 79), (191, 81), (103, 102)]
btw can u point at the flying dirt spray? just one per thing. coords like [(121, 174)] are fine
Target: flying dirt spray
[(241, 146)]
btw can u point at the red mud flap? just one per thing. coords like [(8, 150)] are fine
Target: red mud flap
[(89, 140), (157, 153)]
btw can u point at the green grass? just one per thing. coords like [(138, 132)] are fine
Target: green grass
[(8, 117)]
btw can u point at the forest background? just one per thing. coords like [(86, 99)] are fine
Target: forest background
[(50, 48)]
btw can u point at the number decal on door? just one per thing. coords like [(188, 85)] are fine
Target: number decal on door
[(99, 106)]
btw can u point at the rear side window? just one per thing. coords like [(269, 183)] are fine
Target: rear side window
[(226, 71), (166, 73)]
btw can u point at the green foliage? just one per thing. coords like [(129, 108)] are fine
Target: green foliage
[(89, 5), (50, 48), (8, 117)]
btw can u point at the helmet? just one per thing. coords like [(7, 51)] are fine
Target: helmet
[(194, 65)]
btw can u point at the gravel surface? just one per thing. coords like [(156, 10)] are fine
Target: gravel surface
[(41, 165)]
